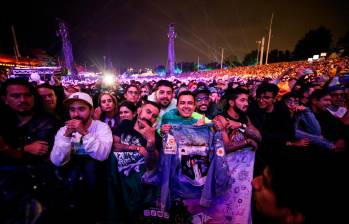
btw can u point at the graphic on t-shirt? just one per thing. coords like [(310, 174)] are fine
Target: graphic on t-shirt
[(76, 144), (132, 160), (236, 136), (194, 163)]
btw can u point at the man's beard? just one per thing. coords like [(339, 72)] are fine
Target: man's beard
[(202, 111), (166, 104), (239, 111)]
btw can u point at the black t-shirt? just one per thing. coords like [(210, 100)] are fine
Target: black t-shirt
[(41, 127), (235, 135), (128, 161), (276, 127)]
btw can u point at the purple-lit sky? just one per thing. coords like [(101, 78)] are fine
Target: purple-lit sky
[(133, 33)]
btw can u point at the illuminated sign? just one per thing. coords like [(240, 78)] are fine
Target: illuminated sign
[(39, 70)]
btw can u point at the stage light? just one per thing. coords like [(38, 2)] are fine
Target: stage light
[(108, 79)]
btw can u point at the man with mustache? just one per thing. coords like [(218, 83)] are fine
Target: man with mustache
[(238, 132), (27, 131), (79, 148), (203, 103), (26, 138), (240, 138), (163, 95), (136, 149)]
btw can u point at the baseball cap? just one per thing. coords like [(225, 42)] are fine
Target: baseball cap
[(78, 96), (202, 89)]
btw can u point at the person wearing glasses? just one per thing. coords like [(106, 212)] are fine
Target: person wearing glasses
[(203, 103), (273, 120), (132, 94)]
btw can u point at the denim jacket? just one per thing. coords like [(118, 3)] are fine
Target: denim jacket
[(193, 165), (307, 126)]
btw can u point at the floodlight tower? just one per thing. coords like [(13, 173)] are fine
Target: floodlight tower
[(171, 53), (67, 48)]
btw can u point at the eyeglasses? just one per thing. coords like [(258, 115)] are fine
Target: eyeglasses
[(202, 99)]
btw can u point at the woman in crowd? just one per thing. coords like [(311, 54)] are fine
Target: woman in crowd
[(127, 111), (107, 110)]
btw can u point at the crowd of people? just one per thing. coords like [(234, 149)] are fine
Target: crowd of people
[(207, 148)]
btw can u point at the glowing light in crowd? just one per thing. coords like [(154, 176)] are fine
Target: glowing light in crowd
[(108, 79), (241, 74)]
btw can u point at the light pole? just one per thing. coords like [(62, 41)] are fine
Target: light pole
[(267, 53), (222, 56), (198, 63), (262, 51), (258, 42)]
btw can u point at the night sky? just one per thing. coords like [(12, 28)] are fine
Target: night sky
[(134, 33)]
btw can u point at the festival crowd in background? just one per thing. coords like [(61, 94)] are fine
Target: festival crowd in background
[(261, 144)]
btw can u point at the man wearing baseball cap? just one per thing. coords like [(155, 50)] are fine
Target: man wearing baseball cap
[(78, 149), (203, 103)]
